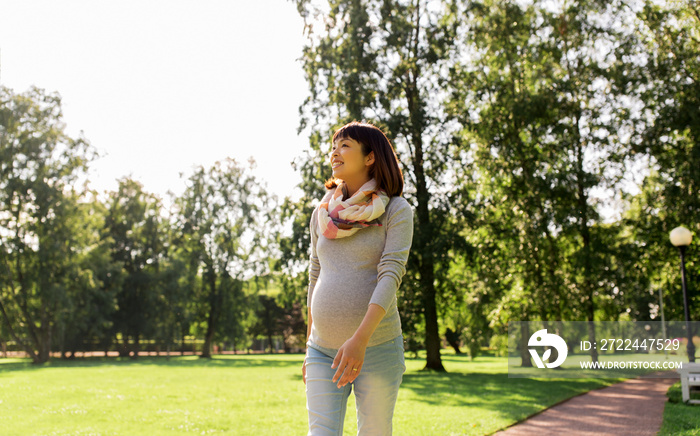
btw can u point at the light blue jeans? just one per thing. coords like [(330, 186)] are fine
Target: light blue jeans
[(376, 389)]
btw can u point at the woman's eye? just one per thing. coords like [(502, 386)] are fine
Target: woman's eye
[(342, 145)]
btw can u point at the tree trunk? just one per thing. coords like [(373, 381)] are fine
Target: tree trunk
[(587, 285), (432, 335), (426, 264), (208, 337), (124, 347), (137, 346), (524, 338), (26, 347), (44, 343), (213, 315)]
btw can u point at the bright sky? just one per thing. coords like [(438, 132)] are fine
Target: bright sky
[(159, 87)]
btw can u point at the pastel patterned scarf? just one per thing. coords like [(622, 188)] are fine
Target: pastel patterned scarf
[(338, 218)]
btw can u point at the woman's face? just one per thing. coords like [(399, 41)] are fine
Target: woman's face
[(347, 161)]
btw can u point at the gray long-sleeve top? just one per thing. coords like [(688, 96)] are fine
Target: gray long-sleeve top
[(347, 274)]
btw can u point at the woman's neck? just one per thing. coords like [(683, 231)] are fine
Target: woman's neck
[(352, 187)]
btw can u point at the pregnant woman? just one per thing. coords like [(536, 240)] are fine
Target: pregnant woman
[(361, 235)]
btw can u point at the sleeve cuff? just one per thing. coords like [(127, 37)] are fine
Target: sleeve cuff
[(385, 292)]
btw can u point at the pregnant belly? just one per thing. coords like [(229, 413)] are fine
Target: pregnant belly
[(339, 308)]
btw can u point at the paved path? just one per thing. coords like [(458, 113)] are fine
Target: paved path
[(632, 407)]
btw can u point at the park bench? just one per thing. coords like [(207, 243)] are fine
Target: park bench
[(690, 380)]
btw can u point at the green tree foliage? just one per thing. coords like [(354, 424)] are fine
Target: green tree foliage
[(665, 79), (40, 218), (135, 228), (224, 227), (86, 321), (268, 319), (543, 122)]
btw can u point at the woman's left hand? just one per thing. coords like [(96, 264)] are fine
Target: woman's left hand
[(350, 355)]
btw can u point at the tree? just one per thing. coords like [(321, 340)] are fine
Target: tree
[(268, 319), (540, 121), (293, 326), (133, 224), (236, 316), (665, 133), (85, 322), (39, 216), (224, 223)]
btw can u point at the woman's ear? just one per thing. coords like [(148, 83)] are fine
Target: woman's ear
[(370, 158)]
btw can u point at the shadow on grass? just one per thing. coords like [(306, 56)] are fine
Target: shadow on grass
[(486, 384), (481, 389), (240, 361)]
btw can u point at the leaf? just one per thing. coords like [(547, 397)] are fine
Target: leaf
[(546, 355)]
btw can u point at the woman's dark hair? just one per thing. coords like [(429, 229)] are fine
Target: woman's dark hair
[(385, 169)]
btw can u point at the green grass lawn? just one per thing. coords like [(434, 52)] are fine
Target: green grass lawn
[(255, 395), (680, 419)]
